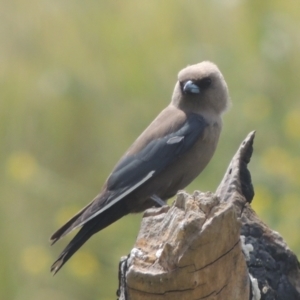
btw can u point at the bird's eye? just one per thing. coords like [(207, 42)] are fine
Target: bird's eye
[(204, 83)]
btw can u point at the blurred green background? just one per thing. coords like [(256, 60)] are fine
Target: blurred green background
[(81, 79)]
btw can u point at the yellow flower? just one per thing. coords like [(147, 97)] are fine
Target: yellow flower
[(21, 166), (83, 264), (35, 259)]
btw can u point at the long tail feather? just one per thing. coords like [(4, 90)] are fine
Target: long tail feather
[(82, 236), (69, 226), (98, 223)]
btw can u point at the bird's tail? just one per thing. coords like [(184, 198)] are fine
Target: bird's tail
[(81, 237), (69, 226), (101, 221)]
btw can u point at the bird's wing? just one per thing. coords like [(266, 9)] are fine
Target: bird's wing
[(135, 169)]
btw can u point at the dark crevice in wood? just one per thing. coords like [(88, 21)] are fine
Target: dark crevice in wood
[(220, 257)]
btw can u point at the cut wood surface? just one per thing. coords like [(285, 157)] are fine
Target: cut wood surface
[(210, 246)]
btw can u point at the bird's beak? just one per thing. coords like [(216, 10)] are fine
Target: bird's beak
[(191, 88)]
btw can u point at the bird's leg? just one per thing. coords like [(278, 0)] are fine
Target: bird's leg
[(157, 200)]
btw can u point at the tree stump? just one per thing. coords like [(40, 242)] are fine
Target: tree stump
[(210, 246)]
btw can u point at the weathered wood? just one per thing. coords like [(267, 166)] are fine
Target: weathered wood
[(199, 247)]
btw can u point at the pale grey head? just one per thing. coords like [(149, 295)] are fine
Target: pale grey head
[(201, 87)]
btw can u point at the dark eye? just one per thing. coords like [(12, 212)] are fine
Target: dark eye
[(204, 83)]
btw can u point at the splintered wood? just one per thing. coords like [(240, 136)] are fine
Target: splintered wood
[(191, 250)]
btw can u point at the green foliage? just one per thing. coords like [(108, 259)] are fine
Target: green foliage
[(81, 79)]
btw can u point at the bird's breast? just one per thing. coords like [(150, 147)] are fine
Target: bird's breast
[(195, 160)]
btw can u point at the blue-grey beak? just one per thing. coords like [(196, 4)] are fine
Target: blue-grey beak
[(191, 88)]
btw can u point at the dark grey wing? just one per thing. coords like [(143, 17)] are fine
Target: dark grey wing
[(134, 170), (156, 155)]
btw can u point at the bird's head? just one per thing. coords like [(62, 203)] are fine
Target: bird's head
[(201, 87)]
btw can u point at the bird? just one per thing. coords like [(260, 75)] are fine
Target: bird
[(171, 152)]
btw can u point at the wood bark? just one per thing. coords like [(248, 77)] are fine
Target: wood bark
[(210, 246)]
